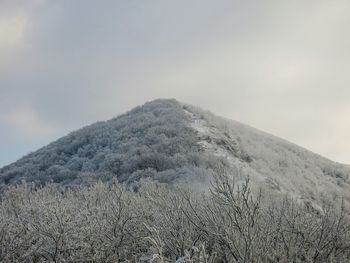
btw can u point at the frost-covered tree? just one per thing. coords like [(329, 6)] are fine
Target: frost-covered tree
[(157, 222)]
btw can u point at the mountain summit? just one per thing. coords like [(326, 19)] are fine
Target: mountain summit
[(169, 142)]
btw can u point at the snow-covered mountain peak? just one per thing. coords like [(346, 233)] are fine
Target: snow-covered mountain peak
[(169, 141)]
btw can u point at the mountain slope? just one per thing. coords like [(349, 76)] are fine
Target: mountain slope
[(147, 141), (271, 161), (169, 141)]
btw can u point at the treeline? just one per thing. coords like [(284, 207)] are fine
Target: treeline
[(162, 223)]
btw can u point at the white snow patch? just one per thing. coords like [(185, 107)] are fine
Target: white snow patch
[(209, 135)]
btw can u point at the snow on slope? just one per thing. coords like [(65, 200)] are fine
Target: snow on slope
[(207, 136), (271, 162)]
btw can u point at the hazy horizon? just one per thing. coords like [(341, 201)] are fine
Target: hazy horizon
[(281, 67)]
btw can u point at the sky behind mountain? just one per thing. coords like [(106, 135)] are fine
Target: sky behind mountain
[(280, 66)]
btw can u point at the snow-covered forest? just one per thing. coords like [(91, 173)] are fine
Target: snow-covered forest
[(170, 142), (163, 223), (169, 182)]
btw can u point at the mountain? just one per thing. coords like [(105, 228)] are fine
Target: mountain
[(169, 141)]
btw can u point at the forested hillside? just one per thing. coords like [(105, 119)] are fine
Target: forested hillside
[(169, 141), (154, 140)]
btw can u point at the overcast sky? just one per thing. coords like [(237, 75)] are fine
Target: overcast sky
[(280, 66)]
